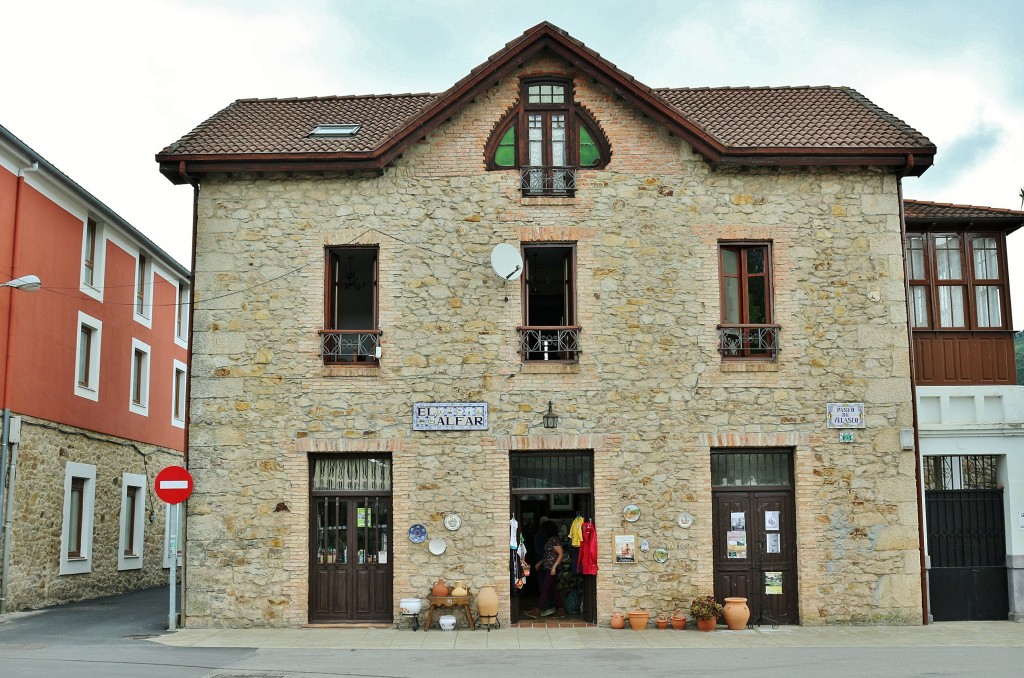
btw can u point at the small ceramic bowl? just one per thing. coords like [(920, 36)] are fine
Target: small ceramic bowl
[(410, 605), (447, 622)]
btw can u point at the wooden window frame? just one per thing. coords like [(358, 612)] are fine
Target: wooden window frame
[(89, 253), (571, 327), (85, 339), (78, 508), (968, 280), (332, 294), (743, 247), (140, 383), (131, 499), (179, 389), (576, 116), (141, 298)]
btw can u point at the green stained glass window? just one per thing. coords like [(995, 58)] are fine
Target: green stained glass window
[(590, 155), (505, 156)]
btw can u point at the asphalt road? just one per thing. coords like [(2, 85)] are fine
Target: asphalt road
[(112, 637)]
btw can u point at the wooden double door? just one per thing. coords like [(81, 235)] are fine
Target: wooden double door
[(350, 558), (755, 551)]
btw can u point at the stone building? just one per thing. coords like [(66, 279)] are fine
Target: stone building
[(551, 292), (93, 376)]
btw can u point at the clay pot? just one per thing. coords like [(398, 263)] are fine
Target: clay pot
[(638, 619), (439, 589), (707, 624), (618, 620), (487, 601), (459, 589), (678, 620), (661, 622), (736, 613)]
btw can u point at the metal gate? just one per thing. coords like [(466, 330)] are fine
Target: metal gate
[(967, 547)]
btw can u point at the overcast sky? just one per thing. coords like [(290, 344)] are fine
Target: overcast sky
[(98, 88)]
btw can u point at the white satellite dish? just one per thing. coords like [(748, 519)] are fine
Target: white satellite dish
[(506, 261)]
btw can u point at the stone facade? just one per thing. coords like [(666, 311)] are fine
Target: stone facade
[(650, 395), (46, 449)]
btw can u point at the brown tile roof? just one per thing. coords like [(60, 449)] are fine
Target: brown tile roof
[(284, 125), (919, 212), (801, 125), (792, 117)]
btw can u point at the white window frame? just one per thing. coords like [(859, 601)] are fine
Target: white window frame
[(167, 535), (146, 272), (143, 407), (184, 298), (134, 560), (92, 391), (94, 290), (81, 564), (178, 395)]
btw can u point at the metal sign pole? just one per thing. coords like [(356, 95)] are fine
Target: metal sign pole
[(173, 529)]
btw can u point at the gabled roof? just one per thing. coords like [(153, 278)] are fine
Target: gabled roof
[(727, 126), (923, 214)]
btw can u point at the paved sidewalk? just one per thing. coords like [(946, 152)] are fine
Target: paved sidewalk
[(941, 634)]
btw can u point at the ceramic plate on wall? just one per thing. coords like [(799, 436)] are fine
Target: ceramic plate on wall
[(452, 521), (417, 533), (631, 513), (684, 519), (660, 555), (437, 546)]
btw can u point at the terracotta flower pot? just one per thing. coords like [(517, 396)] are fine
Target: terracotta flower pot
[(618, 620), (736, 613), (678, 620), (638, 619), (707, 624), (661, 623), (487, 601)]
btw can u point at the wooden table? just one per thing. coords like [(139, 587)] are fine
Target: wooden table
[(450, 601)]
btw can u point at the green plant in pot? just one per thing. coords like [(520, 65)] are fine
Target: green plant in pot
[(706, 610)]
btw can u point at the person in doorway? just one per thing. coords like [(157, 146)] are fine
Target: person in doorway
[(550, 601)]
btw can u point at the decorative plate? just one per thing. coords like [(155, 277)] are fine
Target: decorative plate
[(660, 555), (684, 519), (437, 546), (645, 546), (631, 513), (452, 521), (417, 533)]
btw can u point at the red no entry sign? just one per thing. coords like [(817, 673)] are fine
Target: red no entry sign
[(173, 484)]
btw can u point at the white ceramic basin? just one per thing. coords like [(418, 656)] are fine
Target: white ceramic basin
[(410, 605)]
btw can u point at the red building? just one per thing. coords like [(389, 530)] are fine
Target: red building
[(92, 379)]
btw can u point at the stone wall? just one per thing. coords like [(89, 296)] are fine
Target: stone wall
[(650, 395), (46, 448)]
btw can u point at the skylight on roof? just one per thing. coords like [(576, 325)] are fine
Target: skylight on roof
[(335, 130)]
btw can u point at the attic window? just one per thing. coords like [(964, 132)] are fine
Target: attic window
[(335, 131)]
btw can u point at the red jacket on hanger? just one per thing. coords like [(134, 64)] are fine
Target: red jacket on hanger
[(588, 549)]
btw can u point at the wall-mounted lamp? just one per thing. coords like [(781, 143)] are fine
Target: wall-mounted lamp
[(550, 419), (27, 283)]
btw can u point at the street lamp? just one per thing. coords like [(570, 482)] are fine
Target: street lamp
[(28, 283)]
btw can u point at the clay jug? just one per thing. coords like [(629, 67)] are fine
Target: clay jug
[(459, 589), (487, 601), (678, 620), (736, 613), (439, 588), (618, 620)]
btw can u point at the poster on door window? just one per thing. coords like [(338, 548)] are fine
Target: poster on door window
[(738, 520), (773, 583), (771, 520), (363, 518), (736, 544), (774, 543)]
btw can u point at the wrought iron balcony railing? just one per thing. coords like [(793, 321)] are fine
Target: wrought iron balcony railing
[(549, 343), (749, 341), (547, 180), (349, 346)]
